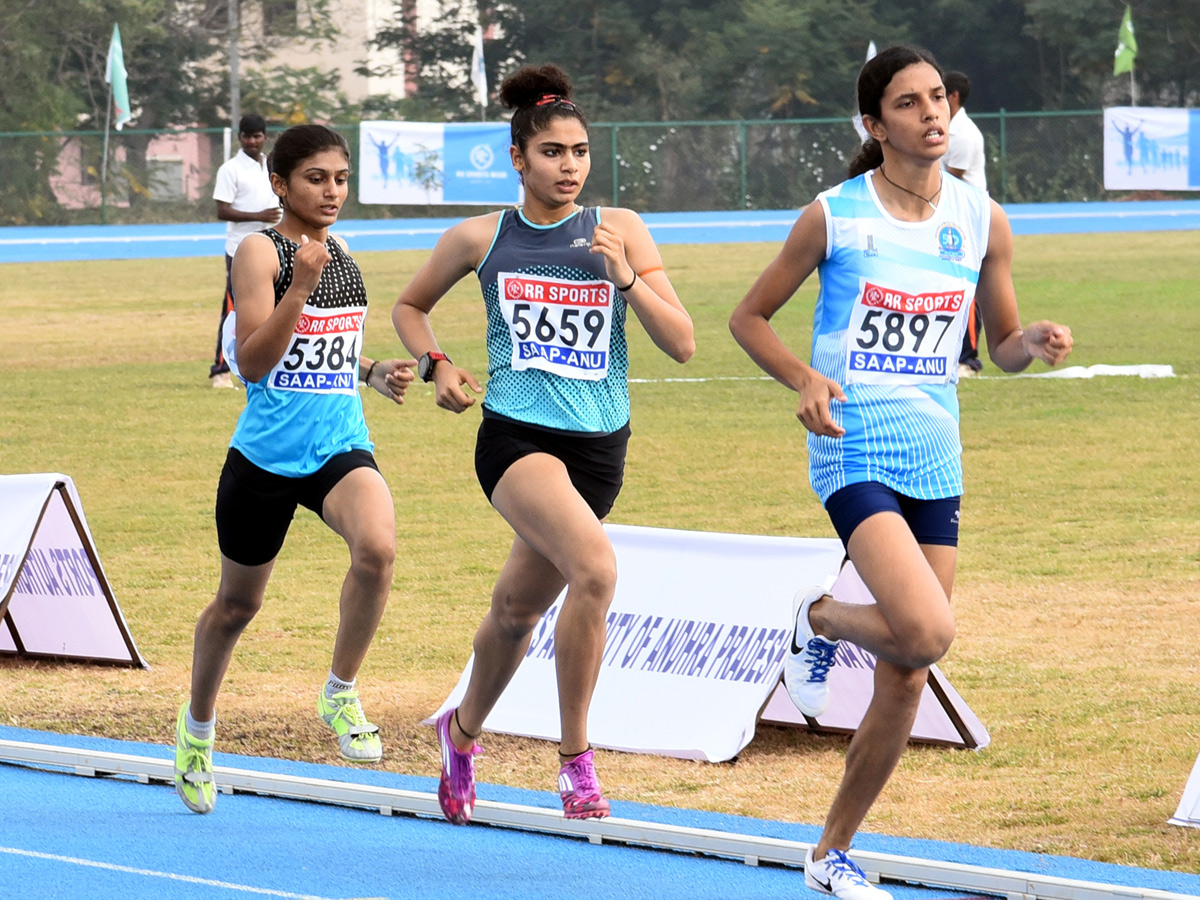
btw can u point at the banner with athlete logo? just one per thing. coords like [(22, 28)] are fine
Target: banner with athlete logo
[(1151, 148), (693, 658), (55, 600), (420, 163)]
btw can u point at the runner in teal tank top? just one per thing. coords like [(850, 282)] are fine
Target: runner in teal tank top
[(901, 249), (295, 338), (557, 280)]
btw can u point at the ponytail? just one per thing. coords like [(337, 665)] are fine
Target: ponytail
[(869, 156)]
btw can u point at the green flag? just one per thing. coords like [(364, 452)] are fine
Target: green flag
[(114, 74), (1126, 45)]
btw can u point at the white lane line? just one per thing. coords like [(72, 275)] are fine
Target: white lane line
[(171, 876)]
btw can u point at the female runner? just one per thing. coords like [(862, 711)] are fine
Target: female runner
[(901, 248), (302, 439), (550, 455)]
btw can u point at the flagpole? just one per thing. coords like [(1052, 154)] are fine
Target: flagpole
[(104, 160), (1132, 88)]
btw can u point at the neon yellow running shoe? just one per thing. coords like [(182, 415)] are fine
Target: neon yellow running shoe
[(358, 739), (194, 781)]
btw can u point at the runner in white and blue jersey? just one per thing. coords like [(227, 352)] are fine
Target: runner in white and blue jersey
[(295, 338), (557, 280), (901, 249)]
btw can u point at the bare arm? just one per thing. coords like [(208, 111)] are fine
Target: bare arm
[(226, 213), (265, 328), (627, 247), (751, 322), (457, 253), (1011, 347)]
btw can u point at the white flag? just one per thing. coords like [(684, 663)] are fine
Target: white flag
[(858, 125), (478, 73)]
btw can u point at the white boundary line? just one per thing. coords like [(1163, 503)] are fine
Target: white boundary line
[(751, 849), (170, 876)]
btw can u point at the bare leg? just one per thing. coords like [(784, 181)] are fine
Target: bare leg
[(911, 621), (239, 598), (360, 509), (559, 541)]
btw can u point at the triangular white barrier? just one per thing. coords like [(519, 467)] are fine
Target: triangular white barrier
[(55, 600), (697, 634), (942, 718), (1189, 806)]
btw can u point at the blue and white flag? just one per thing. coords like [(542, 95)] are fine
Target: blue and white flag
[(114, 74), (858, 122), (478, 72), (420, 163)]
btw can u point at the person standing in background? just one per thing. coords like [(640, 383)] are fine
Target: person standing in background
[(965, 158), (246, 201)]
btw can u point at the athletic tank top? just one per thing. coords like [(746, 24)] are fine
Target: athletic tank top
[(307, 410), (557, 357), (888, 328)]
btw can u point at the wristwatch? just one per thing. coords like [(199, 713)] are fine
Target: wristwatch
[(427, 362)]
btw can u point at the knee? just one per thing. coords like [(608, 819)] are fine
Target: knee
[(372, 559), (513, 618), (235, 611), (596, 579), (929, 644)]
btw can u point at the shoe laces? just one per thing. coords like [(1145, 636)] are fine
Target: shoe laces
[(581, 772), (196, 759), (820, 659), (349, 708), (840, 863)]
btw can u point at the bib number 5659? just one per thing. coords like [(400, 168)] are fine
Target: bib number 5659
[(565, 329)]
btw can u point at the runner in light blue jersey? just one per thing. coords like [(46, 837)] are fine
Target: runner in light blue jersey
[(901, 249), (295, 338), (557, 280)]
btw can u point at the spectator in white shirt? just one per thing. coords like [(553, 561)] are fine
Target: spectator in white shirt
[(245, 200)]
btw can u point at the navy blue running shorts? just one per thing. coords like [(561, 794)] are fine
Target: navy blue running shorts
[(255, 507), (595, 463), (931, 521)]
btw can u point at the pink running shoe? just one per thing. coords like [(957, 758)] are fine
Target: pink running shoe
[(456, 791), (580, 789)]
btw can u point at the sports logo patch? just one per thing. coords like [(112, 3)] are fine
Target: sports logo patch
[(950, 242)]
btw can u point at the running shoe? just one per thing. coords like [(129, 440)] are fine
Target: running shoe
[(358, 739), (837, 874), (806, 667), (456, 790), (580, 789), (193, 768)]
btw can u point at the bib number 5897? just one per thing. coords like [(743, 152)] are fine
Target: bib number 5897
[(892, 333)]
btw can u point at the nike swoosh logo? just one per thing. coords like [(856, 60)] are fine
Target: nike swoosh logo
[(826, 884)]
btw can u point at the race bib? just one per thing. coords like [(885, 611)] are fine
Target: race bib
[(556, 325), (896, 337), (322, 356)]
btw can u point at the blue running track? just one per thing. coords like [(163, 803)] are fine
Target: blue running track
[(62, 835), (79, 242)]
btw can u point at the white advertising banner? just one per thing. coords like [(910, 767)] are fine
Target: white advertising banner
[(1188, 812), (1151, 148), (697, 634), (55, 600), (420, 163)]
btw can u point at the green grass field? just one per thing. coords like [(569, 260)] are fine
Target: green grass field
[(1077, 595)]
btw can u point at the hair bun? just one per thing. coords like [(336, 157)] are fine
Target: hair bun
[(529, 84)]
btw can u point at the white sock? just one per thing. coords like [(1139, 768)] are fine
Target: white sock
[(201, 731), (335, 685)]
